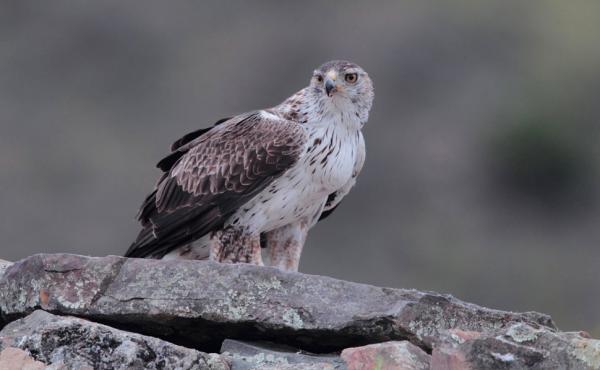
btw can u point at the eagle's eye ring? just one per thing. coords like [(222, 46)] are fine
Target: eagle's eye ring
[(351, 77), (319, 78)]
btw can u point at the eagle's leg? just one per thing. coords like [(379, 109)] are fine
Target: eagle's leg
[(233, 245), (285, 245)]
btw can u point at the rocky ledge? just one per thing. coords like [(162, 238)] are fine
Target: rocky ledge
[(75, 312)]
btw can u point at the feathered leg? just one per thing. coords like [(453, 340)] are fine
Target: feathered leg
[(233, 245), (285, 245)]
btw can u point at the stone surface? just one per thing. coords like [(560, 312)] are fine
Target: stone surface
[(199, 304), (73, 343), (386, 356), (519, 346), (263, 355), (3, 266)]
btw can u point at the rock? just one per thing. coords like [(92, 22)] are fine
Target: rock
[(3, 266), (199, 304), (71, 343), (264, 355), (519, 346), (386, 356), (15, 358)]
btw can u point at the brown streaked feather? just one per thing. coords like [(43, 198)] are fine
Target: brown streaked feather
[(180, 147), (195, 134), (218, 172)]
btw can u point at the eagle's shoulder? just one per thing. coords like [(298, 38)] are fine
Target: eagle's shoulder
[(180, 146), (239, 152)]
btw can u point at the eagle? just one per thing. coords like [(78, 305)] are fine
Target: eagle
[(260, 179)]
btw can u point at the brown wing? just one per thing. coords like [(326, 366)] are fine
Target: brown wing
[(179, 147), (218, 172)]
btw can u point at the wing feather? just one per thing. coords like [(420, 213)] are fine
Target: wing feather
[(180, 146)]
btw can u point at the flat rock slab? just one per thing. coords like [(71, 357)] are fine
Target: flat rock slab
[(71, 343), (265, 355), (199, 304)]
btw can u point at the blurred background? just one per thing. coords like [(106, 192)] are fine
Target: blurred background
[(483, 166)]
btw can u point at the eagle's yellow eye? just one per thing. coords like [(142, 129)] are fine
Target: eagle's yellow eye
[(351, 77), (319, 78)]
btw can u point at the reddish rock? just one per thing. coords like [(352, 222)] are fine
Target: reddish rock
[(448, 358), (386, 356), (12, 358)]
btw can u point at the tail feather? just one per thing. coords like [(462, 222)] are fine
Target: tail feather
[(177, 229)]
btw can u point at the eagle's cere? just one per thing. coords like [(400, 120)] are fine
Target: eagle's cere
[(262, 178)]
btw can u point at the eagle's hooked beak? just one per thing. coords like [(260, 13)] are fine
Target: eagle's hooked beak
[(330, 79), (330, 87)]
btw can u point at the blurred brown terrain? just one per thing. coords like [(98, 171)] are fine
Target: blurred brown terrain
[(483, 168)]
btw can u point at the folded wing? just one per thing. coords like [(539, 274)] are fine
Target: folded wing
[(212, 173)]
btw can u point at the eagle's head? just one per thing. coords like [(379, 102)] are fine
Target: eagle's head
[(343, 86)]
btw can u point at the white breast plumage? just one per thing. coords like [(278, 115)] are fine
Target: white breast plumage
[(326, 165), (331, 155)]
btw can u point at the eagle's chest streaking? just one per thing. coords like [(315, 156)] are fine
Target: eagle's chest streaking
[(326, 165), (331, 156)]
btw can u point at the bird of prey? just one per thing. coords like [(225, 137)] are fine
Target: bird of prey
[(262, 178)]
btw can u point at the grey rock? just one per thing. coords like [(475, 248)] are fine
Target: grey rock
[(3, 266), (73, 343), (200, 304), (516, 347), (264, 355)]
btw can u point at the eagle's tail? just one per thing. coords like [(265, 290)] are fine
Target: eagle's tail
[(143, 245), (147, 246), (177, 229)]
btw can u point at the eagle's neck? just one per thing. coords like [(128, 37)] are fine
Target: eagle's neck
[(308, 109)]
